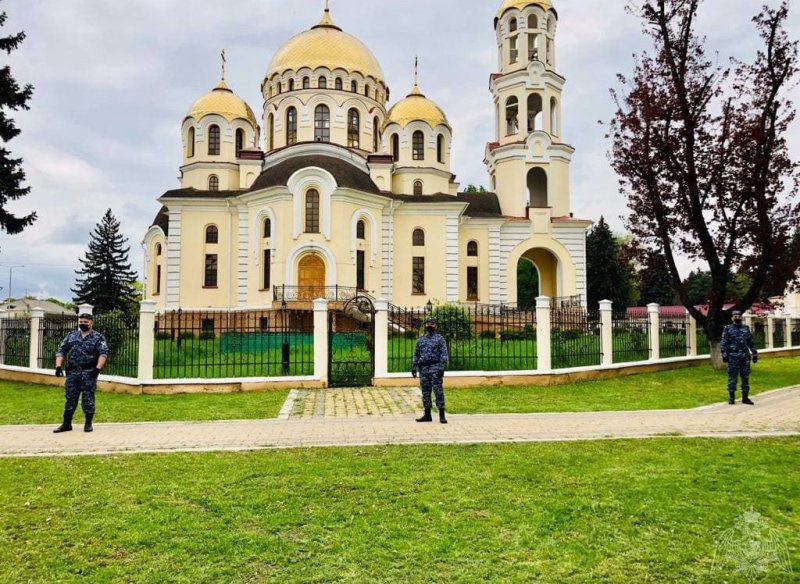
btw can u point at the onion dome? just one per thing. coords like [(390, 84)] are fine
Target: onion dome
[(223, 102), (416, 107), (325, 45), (520, 4)]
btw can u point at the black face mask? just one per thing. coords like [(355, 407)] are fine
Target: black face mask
[(84, 327), (737, 321), (431, 329)]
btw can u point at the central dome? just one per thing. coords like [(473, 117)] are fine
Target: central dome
[(325, 45)]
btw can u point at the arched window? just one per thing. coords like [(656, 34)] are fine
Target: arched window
[(512, 25), (549, 47), (212, 234), (513, 50), (353, 128), (354, 87), (554, 130), (376, 135), (440, 149), (418, 238), (279, 87), (417, 187), (213, 183), (306, 83), (512, 116), (395, 147), (312, 211), (534, 112), (270, 132), (239, 141), (537, 188), (366, 90), (472, 249), (291, 126), (418, 146), (361, 230), (322, 83), (291, 84), (338, 83), (322, 124), (158, 249), (533, 21), (213, 140), (533, 47), (190, 143), (267, 228)]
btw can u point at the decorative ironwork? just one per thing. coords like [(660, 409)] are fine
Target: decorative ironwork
[(630, 337), (15, 345), (575, 337), (778, 333), (310, 293), (121, 331), (795, 332), (52, 330), (351, 343), (672, 336)]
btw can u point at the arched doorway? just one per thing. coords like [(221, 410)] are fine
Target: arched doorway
[(538, 269), (527, 284), (311, 277)]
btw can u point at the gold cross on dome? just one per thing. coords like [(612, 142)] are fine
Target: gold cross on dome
[(224, 61)]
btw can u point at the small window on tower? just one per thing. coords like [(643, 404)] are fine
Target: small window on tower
[(212, 234), (306, 83), (418, 238), (213, 183), (472, 249), (418, 146), (213, 140), (338, 84), (418, 187), (322, 83), (360, 230), (267, 228)]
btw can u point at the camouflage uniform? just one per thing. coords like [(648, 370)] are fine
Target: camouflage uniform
[(83, 353), (431, 359), (736, 346)]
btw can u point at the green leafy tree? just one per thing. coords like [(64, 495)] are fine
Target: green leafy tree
[(607, 277), (106, 279), (12, 176), (471, 188), (655, 282)]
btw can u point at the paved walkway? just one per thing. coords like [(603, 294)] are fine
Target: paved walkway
[(776, 413)]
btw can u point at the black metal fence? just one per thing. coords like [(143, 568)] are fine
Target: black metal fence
[(673, 333), (16, 341), (121, 331), (778, 333), (217, 344), (760, 332), (795, 332), (479, 337), (53, 328), (703, 344), (630, 337), (575, 337)]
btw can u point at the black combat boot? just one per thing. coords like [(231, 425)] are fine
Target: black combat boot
[(87, 425), (442, 419), (731, 398), (747, 401), (66, 425), (427, 417)]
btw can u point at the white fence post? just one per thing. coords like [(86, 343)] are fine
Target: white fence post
[(543, 351), (655, 327), (321, 340), (691, 335), (381, 338), (606, 328), (37, 316), (787, 335), (147, 324), (770, 332)]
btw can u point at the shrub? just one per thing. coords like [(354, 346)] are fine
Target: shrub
[(206, 336), (186, 335), (488, 334), (163, 336), (454, 322)]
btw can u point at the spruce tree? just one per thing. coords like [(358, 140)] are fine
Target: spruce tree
[(607, 277), (12, 177), (106, 280)]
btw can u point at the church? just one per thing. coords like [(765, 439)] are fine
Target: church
[(334, 184)]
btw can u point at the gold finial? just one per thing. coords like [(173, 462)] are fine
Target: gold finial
[(327, 6), (224, 61)]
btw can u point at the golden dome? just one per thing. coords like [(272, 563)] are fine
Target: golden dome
[(520, 4), (224, 102), (325, 45), (416, 107)]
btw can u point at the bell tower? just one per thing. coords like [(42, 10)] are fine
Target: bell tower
[(528, 162)]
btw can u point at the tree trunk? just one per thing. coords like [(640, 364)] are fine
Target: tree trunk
[(716, 356)]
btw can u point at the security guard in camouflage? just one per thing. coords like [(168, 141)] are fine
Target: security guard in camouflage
[(430, 360), (737, 345), (86, 351)]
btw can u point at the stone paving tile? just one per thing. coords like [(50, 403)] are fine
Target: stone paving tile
[(776, 413)]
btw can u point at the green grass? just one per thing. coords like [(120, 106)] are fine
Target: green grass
[(25, 403), (680, 388), (593, 512)]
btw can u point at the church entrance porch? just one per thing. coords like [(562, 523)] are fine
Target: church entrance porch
[(538, 274), (311, 277)]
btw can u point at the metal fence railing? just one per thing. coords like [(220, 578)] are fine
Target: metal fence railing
[(672, 337), (121, 331), (479, 338), (778, 333), (795, 332), (703, 344), (760, 332), (630, 337), (15, 343), (53, 329), (575, 338), (216, 344)]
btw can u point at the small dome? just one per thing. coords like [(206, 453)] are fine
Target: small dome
[(520, 4), (224, 102), (325, 45), (416, 107)]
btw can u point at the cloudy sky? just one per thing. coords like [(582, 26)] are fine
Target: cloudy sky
[(114, 78)]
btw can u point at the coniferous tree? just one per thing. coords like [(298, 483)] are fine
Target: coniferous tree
[(12, 177), (655, 281), (607, 278), (106, 280)]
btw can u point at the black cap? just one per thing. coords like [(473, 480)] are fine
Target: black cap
[(86, 315), (430, 319), (735, 312)]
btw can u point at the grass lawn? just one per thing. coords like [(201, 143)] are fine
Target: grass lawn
[(25, 403), (648, 511), (681, 388)]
